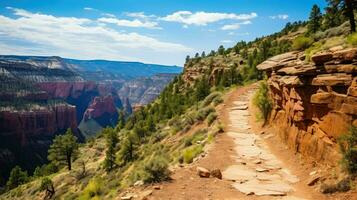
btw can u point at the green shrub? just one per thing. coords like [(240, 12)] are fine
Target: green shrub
[(302, 43), (352, 39), (204, 112), (348, 147), (156, 169), (17, 177), (94, 189), (197, 136), (218, 100), (211, 118), (45, 170), (191, 152), (262, 101), (209, 99)]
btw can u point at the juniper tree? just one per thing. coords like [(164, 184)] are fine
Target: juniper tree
[(64, 149), (111, 141), (17, 177), (314, 19)]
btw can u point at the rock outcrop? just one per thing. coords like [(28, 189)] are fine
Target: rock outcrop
[(314, 102), (26, 135)]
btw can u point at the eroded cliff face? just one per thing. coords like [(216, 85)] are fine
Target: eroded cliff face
[(314, 102), (26, 134)]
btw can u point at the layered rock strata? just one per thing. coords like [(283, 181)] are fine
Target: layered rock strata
[(314, 102)]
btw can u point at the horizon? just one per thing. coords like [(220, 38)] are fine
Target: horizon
[(139, 31)]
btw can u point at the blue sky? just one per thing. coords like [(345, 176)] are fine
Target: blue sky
[(151, 31)]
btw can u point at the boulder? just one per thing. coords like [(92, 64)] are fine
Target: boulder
[(321, 98), (278, 61), (313, 180), (321, 58), (332, 79), (216, 173), (346, 55), (203, 172)]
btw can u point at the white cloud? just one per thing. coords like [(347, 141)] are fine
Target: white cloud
[(108, 15), (89, 9), (235, 26), (230, 27), (204, 18), (130, 23), (139, 15), (76, 37), (281, 16), (227, 41)]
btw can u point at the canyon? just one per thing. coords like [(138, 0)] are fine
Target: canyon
[(41, 97)]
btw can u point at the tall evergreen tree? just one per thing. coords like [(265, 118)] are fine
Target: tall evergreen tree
[(349, 6), (187, 58), (221, 50), (315, 19), (17, 177), (111, 141), (203, 54), (64, 149)]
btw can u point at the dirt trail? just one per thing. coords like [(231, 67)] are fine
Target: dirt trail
[(250, 169)]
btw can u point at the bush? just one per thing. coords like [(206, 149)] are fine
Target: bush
[(17, 177), (209, 99), (217, 100), (262, 101), (302, 43), (197, 136), (45, 170), (204, 112), (47, 186), (348, 147), (156, 169), (211, 118), (191, 152), (352, 39), (93, 190)]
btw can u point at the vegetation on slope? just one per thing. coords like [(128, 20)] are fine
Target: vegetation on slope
[(176, 127)]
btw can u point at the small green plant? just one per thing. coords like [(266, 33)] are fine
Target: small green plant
[(302, 43), (348, 147), (47, 186), (191, 152), (204, 112), (211, 118), (156, 169), (210, 98), (262, 101), (94, 189), (352, 39)]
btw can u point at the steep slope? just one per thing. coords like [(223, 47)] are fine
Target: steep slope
[(43, 96)]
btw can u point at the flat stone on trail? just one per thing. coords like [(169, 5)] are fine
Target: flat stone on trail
[(238, 173), (274, 188), (241, 107), (260, 169)]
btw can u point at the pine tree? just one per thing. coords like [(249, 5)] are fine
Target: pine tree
[(111, 141), (221, 50), (203, 54), (17, 177), (187, 58), (202, 89), (314, 19), (349, 6), (64, 149)]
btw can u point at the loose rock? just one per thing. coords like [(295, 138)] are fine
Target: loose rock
[(203, 172)]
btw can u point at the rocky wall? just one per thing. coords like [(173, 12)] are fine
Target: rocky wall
[(315, 102)]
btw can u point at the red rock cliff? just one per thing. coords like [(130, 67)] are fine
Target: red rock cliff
[(314, 102)]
